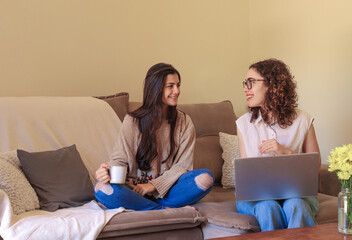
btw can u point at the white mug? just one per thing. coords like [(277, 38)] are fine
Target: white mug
[(118, 174)]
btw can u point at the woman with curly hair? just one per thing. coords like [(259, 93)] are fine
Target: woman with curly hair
[(156, 143), (275, 126)]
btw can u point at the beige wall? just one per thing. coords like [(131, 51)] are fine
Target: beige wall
[(314, 38), (89, 47)]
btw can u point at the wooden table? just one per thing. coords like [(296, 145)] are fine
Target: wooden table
[(320, 232)]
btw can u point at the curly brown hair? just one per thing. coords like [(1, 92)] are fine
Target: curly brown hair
[(281, 97)]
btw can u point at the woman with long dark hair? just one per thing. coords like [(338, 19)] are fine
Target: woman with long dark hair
[(275, 126), (156, 143)]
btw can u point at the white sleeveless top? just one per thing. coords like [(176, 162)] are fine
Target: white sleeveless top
[(291, 137)]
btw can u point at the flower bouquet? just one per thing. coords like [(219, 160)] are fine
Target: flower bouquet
[(340, 160)]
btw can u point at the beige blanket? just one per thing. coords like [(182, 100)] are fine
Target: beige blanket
[(84, 222)]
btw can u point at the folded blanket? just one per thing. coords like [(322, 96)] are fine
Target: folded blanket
[(84, 222)]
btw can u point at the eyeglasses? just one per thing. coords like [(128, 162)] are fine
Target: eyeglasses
[(248, 83)]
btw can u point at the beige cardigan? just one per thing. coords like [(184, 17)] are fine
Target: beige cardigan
[(164, 174)]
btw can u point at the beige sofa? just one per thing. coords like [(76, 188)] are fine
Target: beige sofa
[(216, 215)]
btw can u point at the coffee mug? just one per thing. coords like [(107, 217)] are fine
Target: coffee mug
[(118, 174)]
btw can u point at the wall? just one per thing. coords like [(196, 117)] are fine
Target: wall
[(89, 47), (314, 38)]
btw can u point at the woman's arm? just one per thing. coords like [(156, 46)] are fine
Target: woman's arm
[(122, 150), (272, 146), (310, 144), (241, 144)]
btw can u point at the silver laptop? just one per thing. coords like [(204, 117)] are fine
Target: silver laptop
[(277, 177)]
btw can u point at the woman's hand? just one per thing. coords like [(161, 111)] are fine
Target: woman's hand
[(272, 146), (145, 188), (102, 174)]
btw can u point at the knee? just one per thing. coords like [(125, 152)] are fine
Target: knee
[(204, 181), (105, 188), (267, 207), (294, 203)]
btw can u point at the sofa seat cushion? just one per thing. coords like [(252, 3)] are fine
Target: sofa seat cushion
[(220, 194), (137, 222), (219, 207), (225, 214)]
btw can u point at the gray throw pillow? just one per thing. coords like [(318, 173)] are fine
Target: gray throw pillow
[(59, 177)]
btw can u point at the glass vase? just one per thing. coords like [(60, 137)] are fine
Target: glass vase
[(345, 211)]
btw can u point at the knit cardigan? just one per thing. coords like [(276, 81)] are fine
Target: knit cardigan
[(165, 174)]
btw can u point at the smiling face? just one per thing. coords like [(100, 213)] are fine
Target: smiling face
[(255, 95), (171, 91)]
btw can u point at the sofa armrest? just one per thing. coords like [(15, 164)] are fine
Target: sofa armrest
[(328, 182)]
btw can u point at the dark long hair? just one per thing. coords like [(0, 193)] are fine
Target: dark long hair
[(281, 97), (150, 115)]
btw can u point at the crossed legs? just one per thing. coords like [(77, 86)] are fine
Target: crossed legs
[(189, 188), (289, 213)]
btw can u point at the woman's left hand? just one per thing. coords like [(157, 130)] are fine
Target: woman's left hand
[(145, 188), (272, 146)]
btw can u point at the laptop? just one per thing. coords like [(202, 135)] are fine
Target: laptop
[(277, 177)]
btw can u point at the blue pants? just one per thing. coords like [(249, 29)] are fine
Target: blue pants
[(184, 192), (289, 213)]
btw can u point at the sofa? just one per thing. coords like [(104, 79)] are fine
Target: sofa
[(37, 124)]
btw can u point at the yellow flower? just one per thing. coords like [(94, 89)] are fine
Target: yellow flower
[(340, 160), (343, 175)]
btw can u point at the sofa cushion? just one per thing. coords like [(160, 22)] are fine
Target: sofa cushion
[(211, 118), (59, 177), (208, 118), (142, 222), (207, 154), (119, 102), (328, 182), (224, 214), (221, 202), (211, 230), (15, 184), (219, 206), (229, 145), (327, 209)]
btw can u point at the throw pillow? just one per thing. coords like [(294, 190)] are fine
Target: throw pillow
[(16, 185), (59, 177), (229, 145), (119, 102)]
